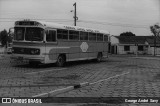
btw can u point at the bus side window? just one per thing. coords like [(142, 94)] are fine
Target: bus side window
[(51, 36), (99, 37), (92, 36), (83, 35), (105, 37), (73, 35), (62, 34)]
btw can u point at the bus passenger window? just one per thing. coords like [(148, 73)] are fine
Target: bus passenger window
[(99, 37), (83, 35), (73, 35), (62, 34), (105, 37), (51, 36), (92, 36)]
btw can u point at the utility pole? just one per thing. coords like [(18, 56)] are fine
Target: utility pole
[(155, 45), (75, 14)]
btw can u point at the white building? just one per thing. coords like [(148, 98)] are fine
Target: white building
[(134, 44)]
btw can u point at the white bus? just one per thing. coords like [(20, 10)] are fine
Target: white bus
[(45, 42)]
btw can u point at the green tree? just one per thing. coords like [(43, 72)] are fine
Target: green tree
[(4, 37), (127, 34)]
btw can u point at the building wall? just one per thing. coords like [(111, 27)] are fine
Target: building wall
[(151, 51), (2, 49), (158, 51), (121, 50), (114, 40), (117, 48), (133, 50), (114, 43)]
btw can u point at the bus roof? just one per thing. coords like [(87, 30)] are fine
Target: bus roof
[(61, 26)]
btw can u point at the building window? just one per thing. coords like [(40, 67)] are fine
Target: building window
[(126, 48), (140, 48)]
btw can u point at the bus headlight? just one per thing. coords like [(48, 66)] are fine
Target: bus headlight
[(35, 51)]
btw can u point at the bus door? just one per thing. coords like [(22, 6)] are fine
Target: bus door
[(50, 45)]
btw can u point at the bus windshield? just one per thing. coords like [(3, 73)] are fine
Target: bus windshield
[(19, 33), (34, 34), (29, 33)]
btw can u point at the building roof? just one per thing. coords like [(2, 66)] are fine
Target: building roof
[(131, 39), (138, 40), (151, 41)]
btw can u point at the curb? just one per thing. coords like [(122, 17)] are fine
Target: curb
[(63, 90), (69, 88)]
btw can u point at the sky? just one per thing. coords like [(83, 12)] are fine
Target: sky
[(115, 16)]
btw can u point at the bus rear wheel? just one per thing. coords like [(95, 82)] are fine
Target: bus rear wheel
[(99, 57), (61, 60)]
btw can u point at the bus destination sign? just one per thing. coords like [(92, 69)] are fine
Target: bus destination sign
[(24, 23)]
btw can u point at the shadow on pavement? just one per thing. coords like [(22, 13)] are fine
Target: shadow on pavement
[(67, 64)]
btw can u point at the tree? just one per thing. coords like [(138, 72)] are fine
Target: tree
[(4, 37), (10, 36), (127, 34), (155, 29)]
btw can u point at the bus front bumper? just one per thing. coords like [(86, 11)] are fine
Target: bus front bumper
[(27, 58)]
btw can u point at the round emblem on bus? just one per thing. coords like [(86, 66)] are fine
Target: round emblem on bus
[(84, 47)]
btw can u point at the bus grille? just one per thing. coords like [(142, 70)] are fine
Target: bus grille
[(19, 50)]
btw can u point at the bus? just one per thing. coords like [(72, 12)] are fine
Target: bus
[(46, 42)]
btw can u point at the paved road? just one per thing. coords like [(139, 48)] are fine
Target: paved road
[(124, 77)]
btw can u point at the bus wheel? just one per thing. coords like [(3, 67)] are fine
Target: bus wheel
[(61, 61), (99, 57)]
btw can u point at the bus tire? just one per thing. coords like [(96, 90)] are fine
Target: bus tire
[(99, 57), (61, 60)]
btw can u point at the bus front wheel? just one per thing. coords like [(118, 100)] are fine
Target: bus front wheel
[(61, 60), (99, 57)]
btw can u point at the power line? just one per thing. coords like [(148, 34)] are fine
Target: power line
[(46, 21), (83, 21), (115, 24), (33, 19)]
